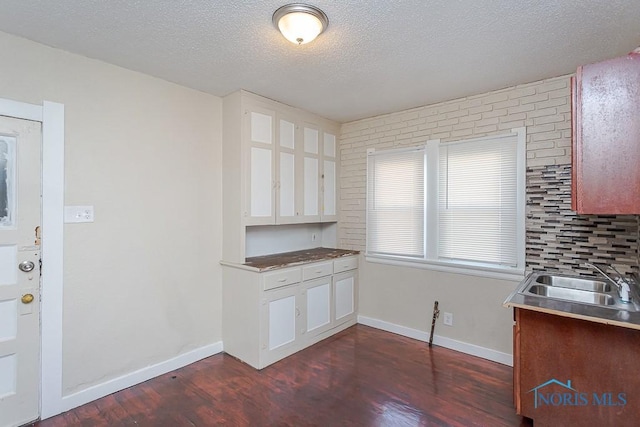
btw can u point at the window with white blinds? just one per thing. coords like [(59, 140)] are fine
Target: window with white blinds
[(455, 204), (478, 201), (395, 203)]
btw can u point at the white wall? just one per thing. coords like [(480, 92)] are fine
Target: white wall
[(404, 296), (273, 239), (142, 283)]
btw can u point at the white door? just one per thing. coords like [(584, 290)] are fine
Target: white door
[(20, 142)]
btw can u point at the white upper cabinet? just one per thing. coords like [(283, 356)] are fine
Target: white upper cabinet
[(320, 174), (261, 195), (288, 210), (261, 183), (279, 167), (311, 174), (262, 127), (329, 179), (292, 180), (311, 141)]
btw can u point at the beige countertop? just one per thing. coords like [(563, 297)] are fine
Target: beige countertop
[(290, 259)]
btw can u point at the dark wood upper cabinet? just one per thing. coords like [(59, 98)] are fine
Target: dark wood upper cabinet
[(606, 137)]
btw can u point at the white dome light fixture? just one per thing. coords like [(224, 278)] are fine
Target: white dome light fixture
[(300, 23)]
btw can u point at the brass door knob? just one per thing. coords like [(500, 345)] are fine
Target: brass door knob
[(27, 298)]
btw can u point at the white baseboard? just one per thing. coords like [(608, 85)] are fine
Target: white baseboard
[(141, 375), (471, 349), (100, 390)]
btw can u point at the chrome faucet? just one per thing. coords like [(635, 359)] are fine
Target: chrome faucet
[(623, 286)]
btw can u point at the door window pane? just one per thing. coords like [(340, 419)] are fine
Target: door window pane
[(7, 180)]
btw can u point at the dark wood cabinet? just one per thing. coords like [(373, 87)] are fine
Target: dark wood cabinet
[(575, 372), (606, 137)]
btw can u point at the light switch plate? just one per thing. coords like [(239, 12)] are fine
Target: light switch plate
[(78, 214)]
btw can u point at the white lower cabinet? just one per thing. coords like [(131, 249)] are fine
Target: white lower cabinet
[(269, 316), (316, 295), (281, 313)]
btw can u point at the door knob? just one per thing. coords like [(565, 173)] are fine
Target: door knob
[(26, 266), (27, 298)]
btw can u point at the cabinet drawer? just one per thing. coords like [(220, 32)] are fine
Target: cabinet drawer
[(314, 271), (344, 264), (282, 278)]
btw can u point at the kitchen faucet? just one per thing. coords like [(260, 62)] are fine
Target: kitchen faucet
[(621, 284)]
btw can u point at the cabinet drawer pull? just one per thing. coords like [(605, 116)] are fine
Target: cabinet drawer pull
[(318, 271), (282, 280)]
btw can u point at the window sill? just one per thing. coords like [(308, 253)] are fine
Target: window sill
[(479, 271)]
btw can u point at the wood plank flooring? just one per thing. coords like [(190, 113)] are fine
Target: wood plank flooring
[(360, 377)]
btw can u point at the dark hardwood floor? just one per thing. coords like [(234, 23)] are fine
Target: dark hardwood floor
[(359, 377)]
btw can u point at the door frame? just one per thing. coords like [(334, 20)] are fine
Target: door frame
[(51, 115)]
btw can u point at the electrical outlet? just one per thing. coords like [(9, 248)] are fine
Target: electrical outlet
[(448, 319)]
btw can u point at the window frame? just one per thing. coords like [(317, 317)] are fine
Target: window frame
[(431, 226)]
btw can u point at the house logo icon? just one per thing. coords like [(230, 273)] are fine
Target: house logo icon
[(536, 390)]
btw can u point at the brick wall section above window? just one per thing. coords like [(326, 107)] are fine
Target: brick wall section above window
[(544, 107)]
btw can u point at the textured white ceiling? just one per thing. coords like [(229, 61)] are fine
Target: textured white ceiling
[(376, 56)]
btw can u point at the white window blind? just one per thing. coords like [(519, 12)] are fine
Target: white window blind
[(395, 203), (478, 201), (470, 215)]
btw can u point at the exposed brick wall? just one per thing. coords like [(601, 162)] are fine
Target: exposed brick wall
[(544, 107)]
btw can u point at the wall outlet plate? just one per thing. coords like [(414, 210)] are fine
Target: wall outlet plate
[(448, 319), (74, 214)]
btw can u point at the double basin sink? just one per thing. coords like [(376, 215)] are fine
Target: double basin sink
[(579, 290)]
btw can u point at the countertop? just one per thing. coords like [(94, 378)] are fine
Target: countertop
[(592, 313), (290, 259)]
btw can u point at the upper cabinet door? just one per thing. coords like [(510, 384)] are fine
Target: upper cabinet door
[(288, 209), (606, 137), (311, 174), (260, 130), (329, 179)]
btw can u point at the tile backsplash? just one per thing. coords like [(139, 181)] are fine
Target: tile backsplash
[(560, 239)]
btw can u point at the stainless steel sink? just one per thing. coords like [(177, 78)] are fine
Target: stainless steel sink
[(574, 283), (571, 294), (579, 290)]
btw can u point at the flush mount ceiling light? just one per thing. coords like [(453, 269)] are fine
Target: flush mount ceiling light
[(300, 23)]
